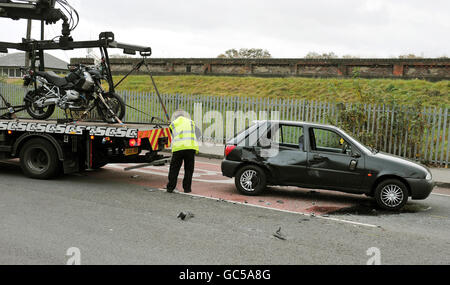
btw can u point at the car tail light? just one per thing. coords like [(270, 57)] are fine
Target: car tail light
[(135, 142), (229, 149)]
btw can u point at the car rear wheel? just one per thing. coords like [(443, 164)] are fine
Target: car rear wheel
[(391, 194), (251, 180)]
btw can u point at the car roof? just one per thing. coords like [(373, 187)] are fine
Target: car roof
[(298, 123)]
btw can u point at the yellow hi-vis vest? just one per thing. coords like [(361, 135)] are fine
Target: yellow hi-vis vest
[(183, 135)]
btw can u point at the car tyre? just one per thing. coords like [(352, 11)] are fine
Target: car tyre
[(251, 180), (39, 160), (391, 194)]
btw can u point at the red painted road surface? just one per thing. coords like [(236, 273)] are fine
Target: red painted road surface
[(209, 182)]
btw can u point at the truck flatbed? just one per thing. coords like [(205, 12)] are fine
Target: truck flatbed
[(45, 147), (133, 130)]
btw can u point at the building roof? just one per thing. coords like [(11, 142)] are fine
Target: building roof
[(18, 59)]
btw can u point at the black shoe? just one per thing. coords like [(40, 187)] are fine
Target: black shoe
[(187, 191), (169, 191)]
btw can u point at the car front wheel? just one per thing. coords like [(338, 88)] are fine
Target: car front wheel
[(251, 180), (391, 195)]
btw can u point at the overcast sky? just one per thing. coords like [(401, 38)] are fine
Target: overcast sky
[(287, 28)]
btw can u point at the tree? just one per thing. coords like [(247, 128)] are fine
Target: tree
[(349, 56), (246, 53), (409, 56), (315, 55)]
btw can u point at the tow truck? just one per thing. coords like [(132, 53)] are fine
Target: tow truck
[(52, 147)]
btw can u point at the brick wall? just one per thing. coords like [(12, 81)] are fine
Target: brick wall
[(429, 69)]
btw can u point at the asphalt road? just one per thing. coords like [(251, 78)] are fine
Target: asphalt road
[(119, 221)]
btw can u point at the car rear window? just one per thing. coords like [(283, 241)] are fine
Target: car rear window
[(250, 136)]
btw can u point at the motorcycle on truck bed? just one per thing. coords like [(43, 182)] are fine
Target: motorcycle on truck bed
[(47, 148)]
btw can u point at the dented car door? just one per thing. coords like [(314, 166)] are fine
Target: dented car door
[(289, 160)]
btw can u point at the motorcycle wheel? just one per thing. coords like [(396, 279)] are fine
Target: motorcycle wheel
[(34, 111), (116, 104)]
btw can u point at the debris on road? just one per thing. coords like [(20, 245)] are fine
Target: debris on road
[(279, 235), (280, 202), (185, 216), (135, 176), (268, 204)]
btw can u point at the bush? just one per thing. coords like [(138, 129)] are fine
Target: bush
[(390, 125)]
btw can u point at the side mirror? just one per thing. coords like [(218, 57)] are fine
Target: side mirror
[(356, 155)]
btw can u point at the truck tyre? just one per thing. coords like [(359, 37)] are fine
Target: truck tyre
[(39, 160), (391, 194), (251, 180)]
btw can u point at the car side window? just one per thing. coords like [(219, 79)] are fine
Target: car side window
[(329, 141), (293, 137)]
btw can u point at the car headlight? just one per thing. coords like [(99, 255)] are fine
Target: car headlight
[(429, 177)]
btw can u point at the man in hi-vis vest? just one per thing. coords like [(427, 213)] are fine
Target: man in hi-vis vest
[(184, 149)]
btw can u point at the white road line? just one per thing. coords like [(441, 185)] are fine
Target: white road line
[(280, 210), (148, 171), (209, 163), (257, 206), (438, 194)]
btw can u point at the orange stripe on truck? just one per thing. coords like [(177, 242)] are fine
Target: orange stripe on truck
[(154, 135)]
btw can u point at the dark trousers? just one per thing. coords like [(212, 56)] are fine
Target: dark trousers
[(188, 157)]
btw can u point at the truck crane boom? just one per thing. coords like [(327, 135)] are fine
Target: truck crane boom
[(42, 10)]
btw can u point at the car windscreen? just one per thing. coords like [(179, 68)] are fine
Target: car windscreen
[(356, 142)]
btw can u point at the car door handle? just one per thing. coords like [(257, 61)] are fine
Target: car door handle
[(318, 157)]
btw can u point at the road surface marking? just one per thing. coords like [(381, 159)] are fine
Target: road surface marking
[(438, 194), (278, 210), (196, 175)]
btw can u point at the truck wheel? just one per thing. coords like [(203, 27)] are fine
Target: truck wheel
[(38, 159), (391, 195), (251, 180)]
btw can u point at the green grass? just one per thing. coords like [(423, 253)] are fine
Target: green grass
[(335, 90), (403, 92)]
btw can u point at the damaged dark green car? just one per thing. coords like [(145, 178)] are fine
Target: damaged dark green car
[(321, 157)]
